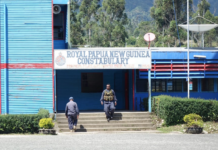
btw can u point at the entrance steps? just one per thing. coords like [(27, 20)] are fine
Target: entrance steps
[(96, 122)]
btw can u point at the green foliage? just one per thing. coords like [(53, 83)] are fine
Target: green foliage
[(46, 123), (88, 16), (44, 113), (173, 109), (112, 20), (21, 123), (163, 11), (193, 120), (75, 24), (131, 40), (145, 103), (104, 23)]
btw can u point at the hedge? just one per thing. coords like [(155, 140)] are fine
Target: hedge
[(173, 109), (22, 123)]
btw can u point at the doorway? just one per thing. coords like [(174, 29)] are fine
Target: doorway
[(81, 84)]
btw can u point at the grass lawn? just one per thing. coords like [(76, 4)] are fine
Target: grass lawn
[(210, 127)]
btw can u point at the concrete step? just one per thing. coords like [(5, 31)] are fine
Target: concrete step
[(64, 121), (103, 114), (109, 129), (96, 122), (99, 126), (103, 118)]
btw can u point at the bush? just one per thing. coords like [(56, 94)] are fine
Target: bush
[(193, 120), (145, 103), (21, 123), (46, 123), (43, 113), (173, 109)]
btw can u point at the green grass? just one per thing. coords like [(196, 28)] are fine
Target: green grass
[(177, 128), (210, 127)]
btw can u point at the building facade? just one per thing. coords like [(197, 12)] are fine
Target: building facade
[(31, 32)]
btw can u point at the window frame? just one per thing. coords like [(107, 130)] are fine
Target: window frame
[(63, 23), (155, 85), (213, 85), (173, 91), (184, 84)]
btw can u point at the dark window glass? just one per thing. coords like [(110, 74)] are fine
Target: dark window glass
[(207, 85), (91, 82), (174, 85), (194, 85), (141, 84), (59, 26), (158, 85)]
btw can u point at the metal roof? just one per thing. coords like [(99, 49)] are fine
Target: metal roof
[(208, 49), (60, 1)]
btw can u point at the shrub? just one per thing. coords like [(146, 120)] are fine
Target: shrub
[(43, 113), (46, 123), (193, 120), (173, 109), (21, 123)]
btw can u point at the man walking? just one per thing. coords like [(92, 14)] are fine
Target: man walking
[(72, 113), (108, 98)]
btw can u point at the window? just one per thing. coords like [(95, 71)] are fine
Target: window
[(158, 85), (194, 85), (91, 82), (174, 85), (207, 85), (141, 84), (59, 26)]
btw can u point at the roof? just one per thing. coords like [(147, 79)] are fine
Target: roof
[(178, 49), (60, 1)]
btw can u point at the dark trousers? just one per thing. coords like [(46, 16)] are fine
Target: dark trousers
[(72, 121), (109, 109)]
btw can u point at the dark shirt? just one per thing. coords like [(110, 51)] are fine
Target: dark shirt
[(102, 96), (71, 108)]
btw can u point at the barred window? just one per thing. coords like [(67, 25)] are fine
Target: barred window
[(207, 85), (158, 85), (174, 85), (194, 85)]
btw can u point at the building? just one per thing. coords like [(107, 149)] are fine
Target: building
[(31, 32)]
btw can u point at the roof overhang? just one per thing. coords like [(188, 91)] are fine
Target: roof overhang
[(60, 2), (199, 27)]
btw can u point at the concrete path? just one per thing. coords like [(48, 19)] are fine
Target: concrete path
[(110, 141)]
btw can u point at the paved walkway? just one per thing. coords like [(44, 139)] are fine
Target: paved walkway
[(110, 141)]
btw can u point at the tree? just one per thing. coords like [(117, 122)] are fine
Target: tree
[(163, 12), (112, 20), (210, 36), (75, 24), (97, 36), (204, 10), (87, 15), (203, 7)]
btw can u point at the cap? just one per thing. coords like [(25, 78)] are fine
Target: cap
[(70, 98)]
